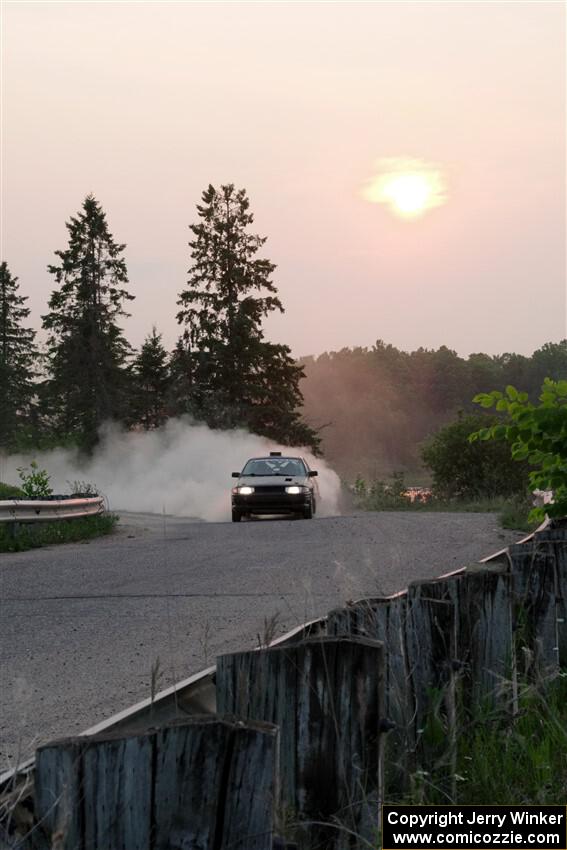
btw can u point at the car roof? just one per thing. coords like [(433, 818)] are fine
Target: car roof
[(276, 457)]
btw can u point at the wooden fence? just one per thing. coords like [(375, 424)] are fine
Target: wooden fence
[(458, 645), (326, 697), (328, 725), (206, 782)]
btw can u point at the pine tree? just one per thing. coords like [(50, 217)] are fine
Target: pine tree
[(239, 379), (88, 380), (18, 358), (151, 381), (181, 379)]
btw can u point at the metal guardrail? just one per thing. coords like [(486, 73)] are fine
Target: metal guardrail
[(49, 510)]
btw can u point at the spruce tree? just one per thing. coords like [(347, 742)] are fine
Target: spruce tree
[(239, 379), (88, 373), (150, 372), (18, 359), (180, 379)]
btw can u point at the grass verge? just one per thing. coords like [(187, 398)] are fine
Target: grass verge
[(8, 491), (507, 761), (512, 512), (64, 531)]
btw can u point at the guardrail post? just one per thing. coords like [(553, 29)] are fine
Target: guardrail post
[(326, 696), (208, 782)]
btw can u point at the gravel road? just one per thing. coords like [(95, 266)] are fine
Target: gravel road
[(82, 624)]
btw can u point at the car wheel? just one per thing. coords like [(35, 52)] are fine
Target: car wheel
[(236, 516), (308, 510)]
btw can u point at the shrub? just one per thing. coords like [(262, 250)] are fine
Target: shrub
[(35, 482), (473, 470), (538, 434)]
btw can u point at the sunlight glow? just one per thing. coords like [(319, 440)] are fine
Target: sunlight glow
[(410, 187)]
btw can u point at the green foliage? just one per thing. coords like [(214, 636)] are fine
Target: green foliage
[(473, 470), (35, 481), (64, 531), (515, 514), (18, 360), (151, 380), (8, 491), (87, 375), (238, 379), (537, 433), (383, 495)]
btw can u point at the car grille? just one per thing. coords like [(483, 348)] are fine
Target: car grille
[(267, 488)]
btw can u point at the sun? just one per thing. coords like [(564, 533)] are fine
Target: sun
[(409, 193), (410, 187)]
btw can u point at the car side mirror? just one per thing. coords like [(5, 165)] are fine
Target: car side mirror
[(236, 474), (313, 473)]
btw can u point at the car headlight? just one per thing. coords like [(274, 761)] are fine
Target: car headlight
[(294, 490), (245, 490)]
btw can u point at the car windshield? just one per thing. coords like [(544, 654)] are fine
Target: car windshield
[(275, 466)]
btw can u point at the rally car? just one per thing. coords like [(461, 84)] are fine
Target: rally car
[(274, 485)]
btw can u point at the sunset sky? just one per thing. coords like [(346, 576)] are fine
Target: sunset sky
[(314, 108)]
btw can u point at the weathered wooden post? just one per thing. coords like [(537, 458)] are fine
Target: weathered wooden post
[(485, 650), (537, 598), (448, 650), (58, 794), (548, 601), (383, 619), (326, 697), (556, 534), (206, 782)]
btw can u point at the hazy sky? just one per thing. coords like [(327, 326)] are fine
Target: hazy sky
[(144, 104)]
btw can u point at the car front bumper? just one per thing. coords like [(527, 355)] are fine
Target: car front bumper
[(271, 503)]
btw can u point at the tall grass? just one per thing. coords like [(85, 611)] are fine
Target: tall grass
[(507, 761)]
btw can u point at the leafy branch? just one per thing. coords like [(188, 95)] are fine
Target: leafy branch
[(537, 433)]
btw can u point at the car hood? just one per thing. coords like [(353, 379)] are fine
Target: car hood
[(272, 480)]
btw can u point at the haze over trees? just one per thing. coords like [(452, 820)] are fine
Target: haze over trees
[(382, 403), (377, 407)]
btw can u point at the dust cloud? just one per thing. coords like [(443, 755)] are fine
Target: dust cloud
[(182, 469)]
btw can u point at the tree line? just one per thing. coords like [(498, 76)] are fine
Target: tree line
[(222, 371), (379, 407), (370, 410)]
